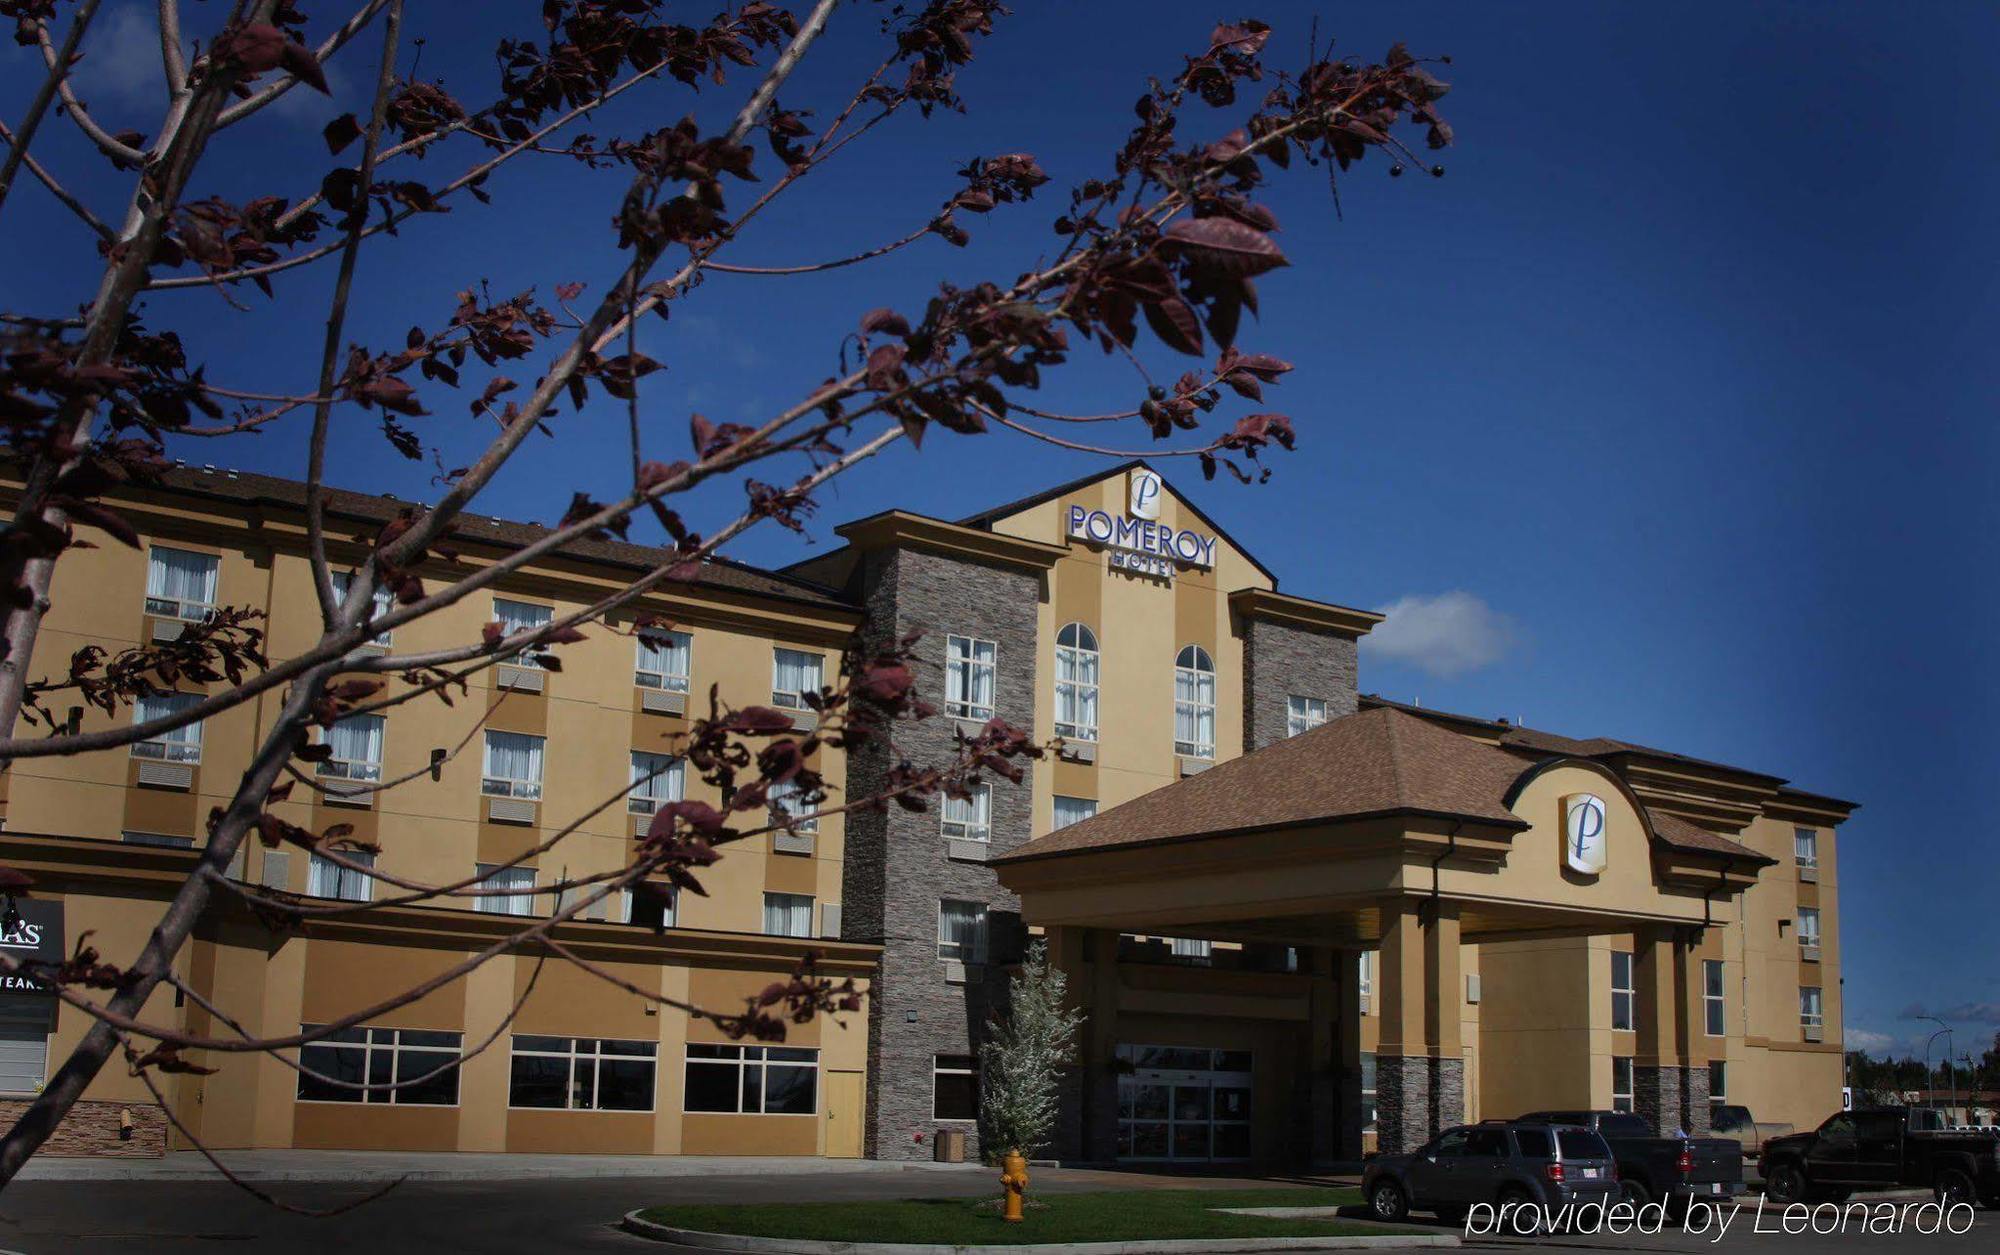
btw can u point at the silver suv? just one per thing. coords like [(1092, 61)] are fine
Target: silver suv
[(1524, 1162)]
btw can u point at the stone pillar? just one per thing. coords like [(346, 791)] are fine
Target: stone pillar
[(1696, 1047), (1657, 971), (1420, 1065)]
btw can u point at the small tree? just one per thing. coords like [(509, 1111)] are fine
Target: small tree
[(1020, 1066)]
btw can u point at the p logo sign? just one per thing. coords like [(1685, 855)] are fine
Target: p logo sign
[(1145, 493), (1583, 833)]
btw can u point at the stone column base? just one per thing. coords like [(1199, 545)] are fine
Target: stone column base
[(1672, 1097), (1415, 1096)]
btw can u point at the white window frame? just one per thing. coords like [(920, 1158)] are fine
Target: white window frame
[(1370, 1071), (509, 785), (380, 602), (1812, 1006), (1078, 656), (663, 777), (496, 877), (1364, 977), (814, 667), (789, 808), (1625, 995), (1808, 926), (1192, 950), (596, 1055), (376, 1040), (1088, 805), (179, 745), (1624, 1100), (939, 1069), (1714, 998), (1303, 714), (666, 643), (184, 609), (1194, 672), (974, 951), (789, 903), (344, 881), (969, 818), (1805, 847), (758, 1057), (513, 621), (1718, 1069), (355, 768), (669, 915), (963, 668)]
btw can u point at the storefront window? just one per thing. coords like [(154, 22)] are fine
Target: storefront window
[(405, 1066), (582, 1073), (752, 1080), (1184, 1104)]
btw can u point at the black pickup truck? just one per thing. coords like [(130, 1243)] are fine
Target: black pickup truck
[(1884, 1148), (1678, 1169)]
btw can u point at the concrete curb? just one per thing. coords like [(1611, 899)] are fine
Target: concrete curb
[(636, 1224), (289, 1167)]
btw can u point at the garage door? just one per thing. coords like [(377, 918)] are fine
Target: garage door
[(24, 1044), (1179, 1104)]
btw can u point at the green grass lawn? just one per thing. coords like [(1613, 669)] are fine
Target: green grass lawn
[(1121, 1216)]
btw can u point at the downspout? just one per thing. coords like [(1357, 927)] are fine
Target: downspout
[(1451, 848), (1708, 898)]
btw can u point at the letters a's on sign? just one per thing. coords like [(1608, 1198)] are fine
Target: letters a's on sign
[(1583, 833), (1138, 541)]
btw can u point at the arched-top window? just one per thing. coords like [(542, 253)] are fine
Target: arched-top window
[(1194, 703), (1076, 683)]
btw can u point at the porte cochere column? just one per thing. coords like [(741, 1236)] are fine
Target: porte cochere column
[(1420, 1063), (1670, 1070)]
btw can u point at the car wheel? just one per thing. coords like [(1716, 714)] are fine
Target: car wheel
[(1786, 1184), (1954, 1187), (1524, 1218), (1386, 1201), (1634, 1192)]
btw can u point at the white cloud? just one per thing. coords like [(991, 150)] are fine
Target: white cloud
[(1872, 1042), (1445, 635), (121, 58)]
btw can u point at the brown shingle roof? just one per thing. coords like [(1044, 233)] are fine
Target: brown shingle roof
[(1373, 763), (253, 489), (1675, 831)]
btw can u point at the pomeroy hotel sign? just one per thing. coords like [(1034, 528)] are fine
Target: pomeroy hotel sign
[(1138, 541)]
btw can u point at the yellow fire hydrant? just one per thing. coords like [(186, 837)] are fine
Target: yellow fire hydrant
[(1015, 1181)]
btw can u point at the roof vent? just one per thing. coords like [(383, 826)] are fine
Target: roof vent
[(208, 468)]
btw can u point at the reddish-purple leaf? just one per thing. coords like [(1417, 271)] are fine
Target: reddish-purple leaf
[(1235, 248)]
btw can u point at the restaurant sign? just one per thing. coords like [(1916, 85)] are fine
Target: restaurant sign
[(29, 930)]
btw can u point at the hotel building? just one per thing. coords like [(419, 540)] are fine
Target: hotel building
[(1301, 922)]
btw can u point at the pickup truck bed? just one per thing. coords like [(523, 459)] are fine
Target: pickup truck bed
[(1881, 1148)]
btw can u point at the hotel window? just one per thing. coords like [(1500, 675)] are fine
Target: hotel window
[(962, 931), (1192, 950), (1076, 683), (422, 1065), (1712, 998), (1718, 1088), (513, 765), (1364, 977), (790, 807), (1073, 810), (657, 779), (522, 616), (1809, 927), (1368, 1093), (328, 879), (954, 1087), (582, 1074), (1811, 1007), (1621, 1083), (356, 742), (648, 910), (969, 818), (788, 914), (179, 584), (1303, 714), (380, 601), (751, 1080), (176, 745), (968, 677), (1623, 994), (1194, 703), (663, 660), (1805, 847), (501, 880), (794, 674)]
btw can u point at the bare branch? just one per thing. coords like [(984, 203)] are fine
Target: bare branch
[(38, 108), (107, 143), (19, 153)]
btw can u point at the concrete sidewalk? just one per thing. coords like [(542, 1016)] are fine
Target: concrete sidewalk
[(383, 1166)]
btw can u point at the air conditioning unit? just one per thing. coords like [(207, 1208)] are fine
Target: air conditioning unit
[(1809, 875), (792, 842), (955, 972), (1809, 953), (159, 775), (1195, 766), (661, 702), (804, 720), (1813, 1032), (1079, 751), (277, 869), (168, 629), (640, 823), (521, 679), (960, 850), (511, 810), (338, 795)]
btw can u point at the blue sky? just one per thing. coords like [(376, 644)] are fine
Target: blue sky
[(1667, 414)]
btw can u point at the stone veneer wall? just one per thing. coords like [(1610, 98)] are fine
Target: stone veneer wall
[(1415, 1096), (896, 870), (93, 1129), (1281, 661), (1672, 1098)]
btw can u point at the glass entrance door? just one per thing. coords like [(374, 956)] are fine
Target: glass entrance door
[(1180, 1104)]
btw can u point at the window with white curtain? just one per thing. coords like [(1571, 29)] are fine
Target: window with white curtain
[(522, 616), (1805, 847), (501, 880), (1303, 714), (328, 879), (1073, 810), (970, 818), (962, 931), (356, 742), (380, 602), (657, 779), (1076, 682), (795, 673), (788, 914), (1194, 703), (1812, 1008), (180, 584), (513, 765), (176, 745), (1809, 926), (789, 806), (663, 660), (968, 677)]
